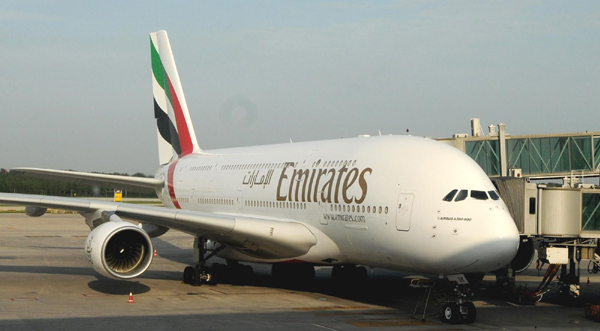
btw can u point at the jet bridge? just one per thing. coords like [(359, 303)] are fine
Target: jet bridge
[(552, 211), (500, 154), (559, 221)]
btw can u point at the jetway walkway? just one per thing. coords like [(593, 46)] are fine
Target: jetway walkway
[(535, 156)]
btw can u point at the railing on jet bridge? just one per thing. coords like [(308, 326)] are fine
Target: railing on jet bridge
[(551, 155)]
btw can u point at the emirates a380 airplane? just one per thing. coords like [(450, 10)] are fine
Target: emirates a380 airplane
[(393, 202)]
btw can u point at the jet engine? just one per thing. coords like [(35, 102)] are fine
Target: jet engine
[(525, 255), (119, 249)]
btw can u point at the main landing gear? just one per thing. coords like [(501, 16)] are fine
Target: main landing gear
[(200, 273), (197, 275), (293, 274), (349, 274)]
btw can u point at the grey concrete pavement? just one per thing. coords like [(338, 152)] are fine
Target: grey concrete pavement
[(46, 283)]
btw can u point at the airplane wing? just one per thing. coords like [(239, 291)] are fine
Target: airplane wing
[(137, 184), (264, 238)]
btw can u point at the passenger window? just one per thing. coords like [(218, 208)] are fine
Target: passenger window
[(450, 195), (463, 194), (479, 195), (494, 195)]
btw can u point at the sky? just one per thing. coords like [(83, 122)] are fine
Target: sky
[(76, 89)]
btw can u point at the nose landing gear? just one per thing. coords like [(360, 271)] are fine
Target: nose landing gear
[(453, 300), (454, 313)]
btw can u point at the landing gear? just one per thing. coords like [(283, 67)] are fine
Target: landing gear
[(468, 313), (197, 276), (293, 274), (453, 301), (349, 274), (460, 310), (233, 272), (450, 313), (200, 274)]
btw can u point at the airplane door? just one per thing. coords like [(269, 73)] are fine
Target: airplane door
[(404, 211), (322, 217)]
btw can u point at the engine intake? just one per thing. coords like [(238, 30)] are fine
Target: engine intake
[(119, 249), (525, 255)]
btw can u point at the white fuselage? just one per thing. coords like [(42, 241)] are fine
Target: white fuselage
[(374, 201)]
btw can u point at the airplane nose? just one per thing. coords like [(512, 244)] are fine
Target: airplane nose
[(505, 244), (501, 243), (491, 247)]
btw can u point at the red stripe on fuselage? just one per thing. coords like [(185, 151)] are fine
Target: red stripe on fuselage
[(185, 140), (170, 184)]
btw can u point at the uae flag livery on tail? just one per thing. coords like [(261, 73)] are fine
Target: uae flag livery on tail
[(176, 137)]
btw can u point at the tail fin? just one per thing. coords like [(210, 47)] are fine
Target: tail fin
[(176, 136)]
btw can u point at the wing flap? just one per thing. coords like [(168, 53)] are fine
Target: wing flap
[(269, 239)]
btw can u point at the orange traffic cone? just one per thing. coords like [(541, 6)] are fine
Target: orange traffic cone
[(130, 297), (155, 253), (588, 282)]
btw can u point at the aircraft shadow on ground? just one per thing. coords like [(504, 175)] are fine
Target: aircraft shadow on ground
[(42, 269), (382, 287), (118, 287), (385, 288)]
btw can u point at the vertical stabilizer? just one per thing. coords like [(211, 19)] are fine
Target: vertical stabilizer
[(176, 136)]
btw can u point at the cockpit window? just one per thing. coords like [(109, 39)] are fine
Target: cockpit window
[(450, 195), (493, 195), (479, 195), (463, 194)]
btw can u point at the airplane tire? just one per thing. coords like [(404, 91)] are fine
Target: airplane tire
[(188, 275), (336, 273), (293, 274), (219, 271), (470, 313), (450, 313), (361, 275)]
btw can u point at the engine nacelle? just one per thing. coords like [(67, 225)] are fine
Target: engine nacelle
[(119, 249), (35, 211), (525, 255)]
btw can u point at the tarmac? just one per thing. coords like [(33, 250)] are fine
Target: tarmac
[(46, 283)]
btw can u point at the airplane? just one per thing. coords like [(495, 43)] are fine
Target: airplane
[(395, 202)]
